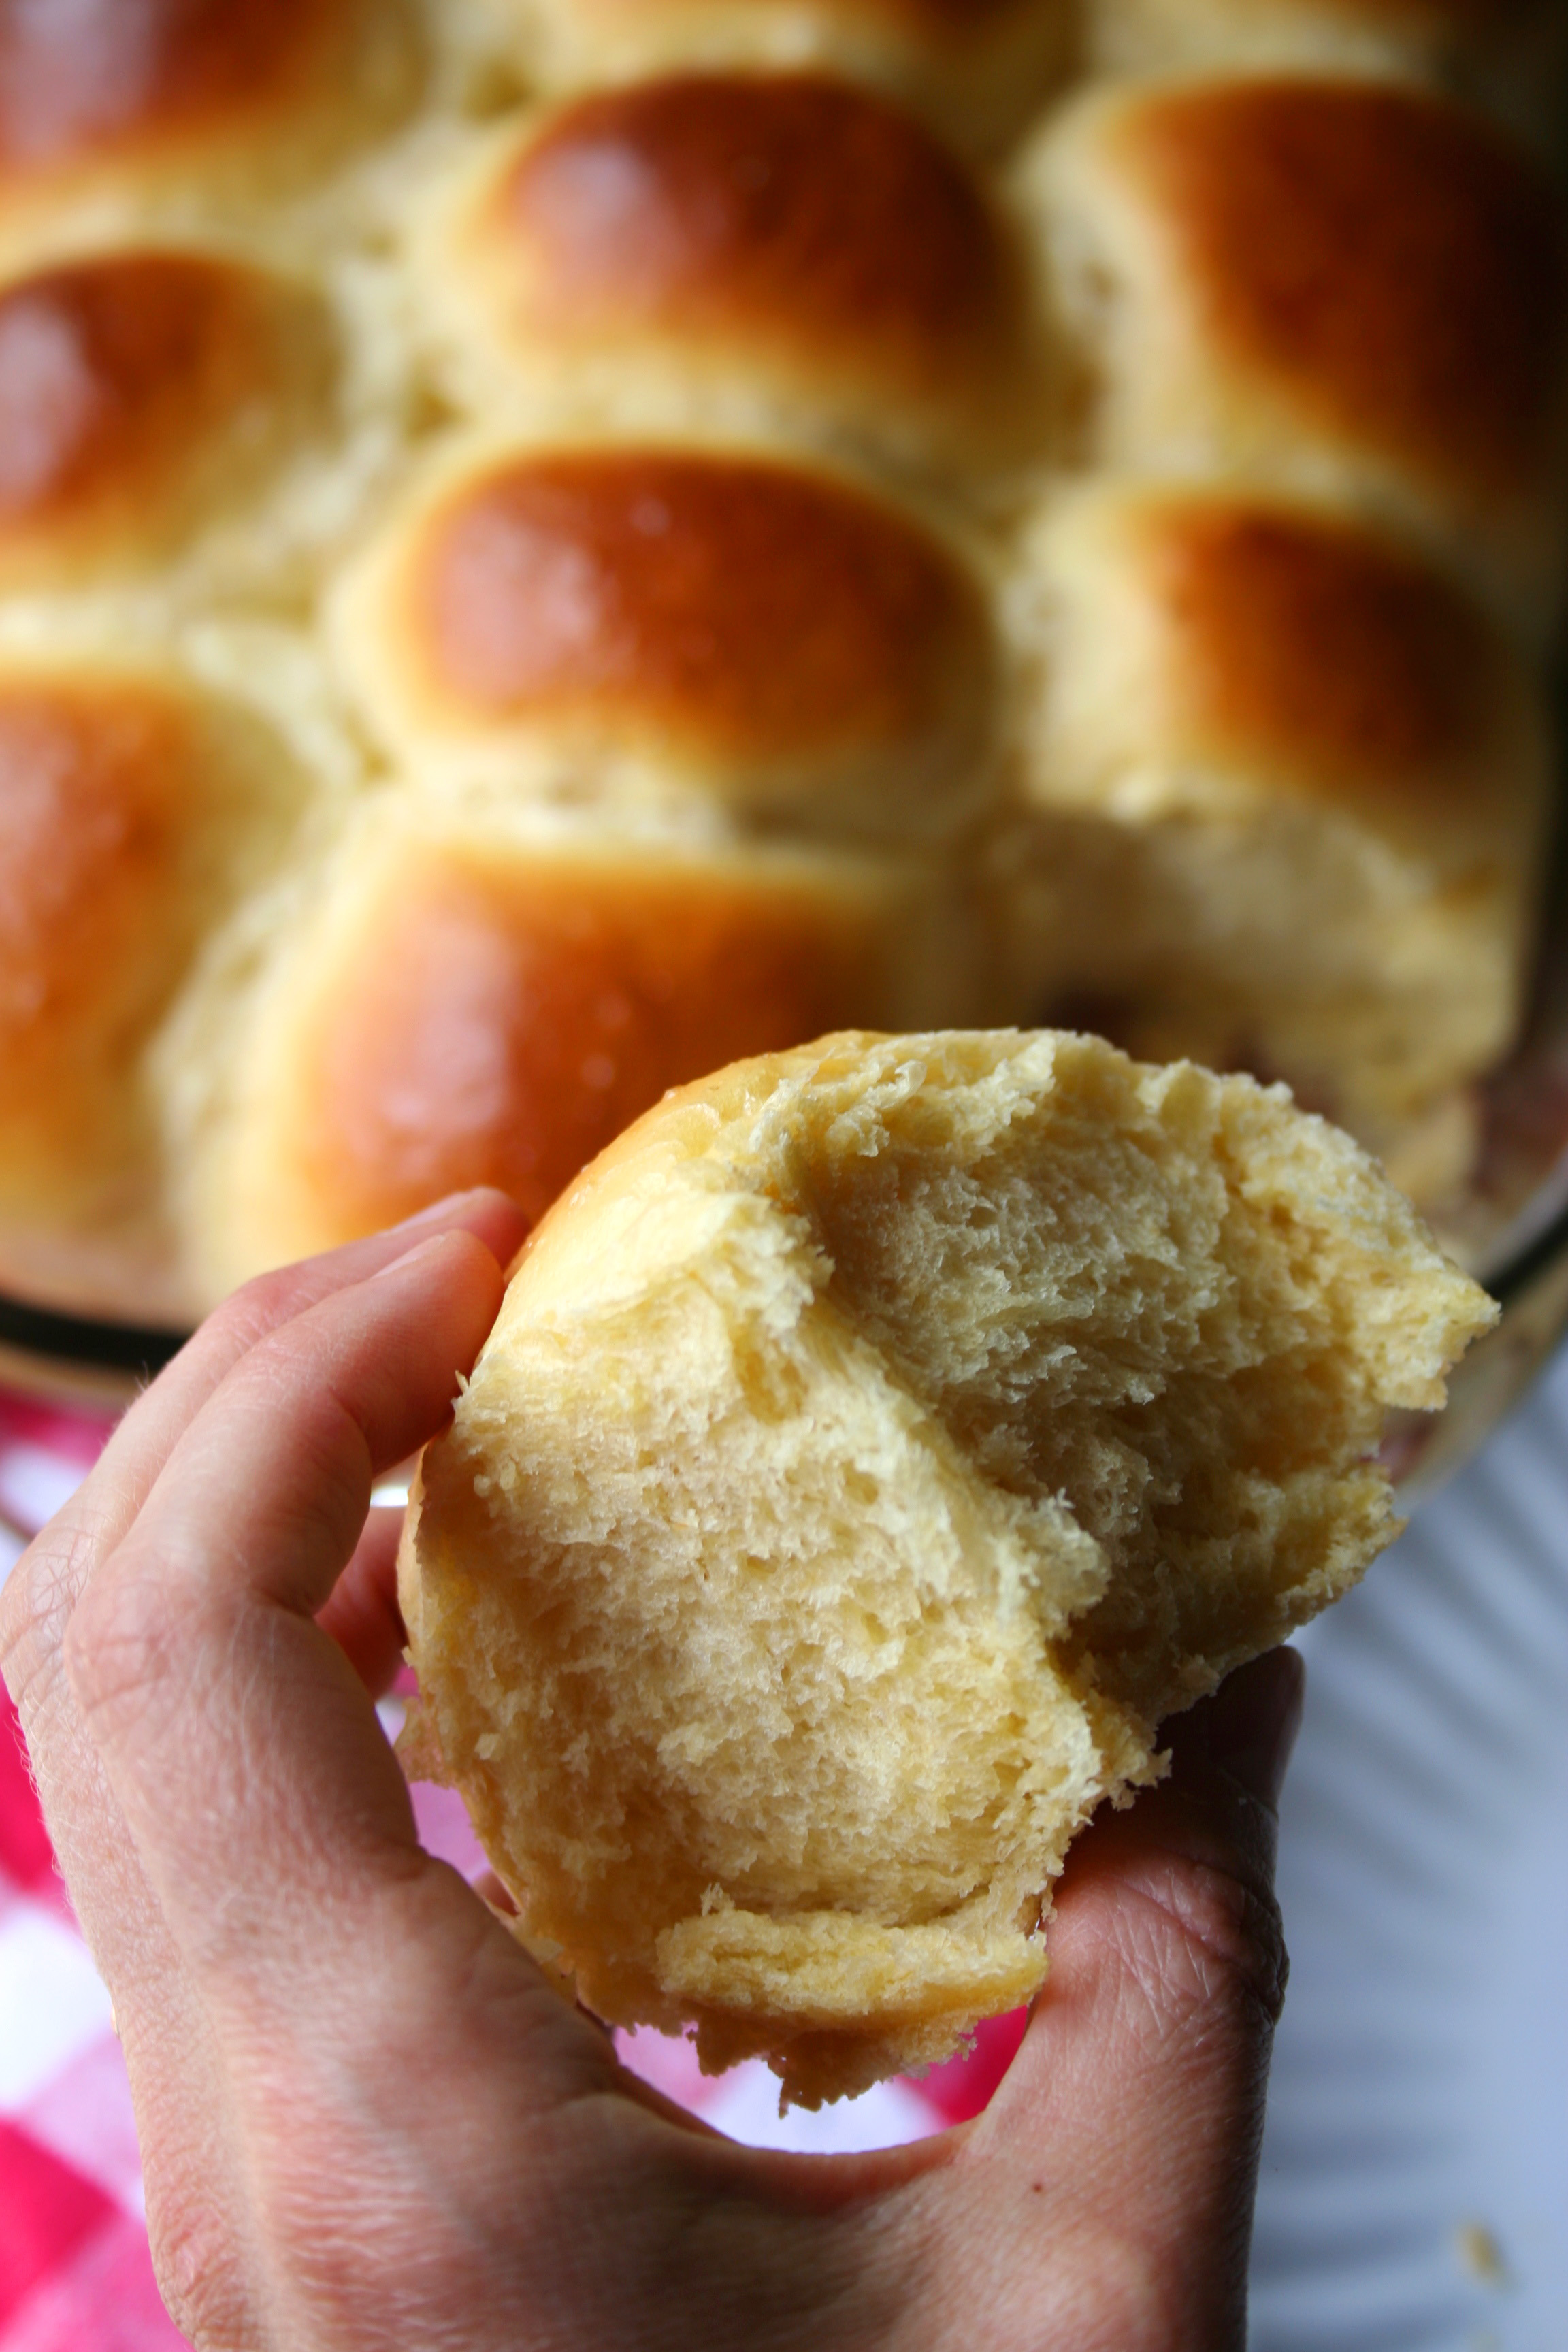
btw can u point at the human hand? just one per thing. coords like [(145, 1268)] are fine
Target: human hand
[(367, 2120)]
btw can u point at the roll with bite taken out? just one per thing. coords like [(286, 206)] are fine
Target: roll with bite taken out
[(876, 1444)]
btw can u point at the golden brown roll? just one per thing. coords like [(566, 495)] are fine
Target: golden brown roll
[(637, 623), (977, 67), (746, 247), (1507, 53), (1341, 287), (135, 808), (98, 97), (873, 1447), (143, 393), (472, 996), (1289, 792)]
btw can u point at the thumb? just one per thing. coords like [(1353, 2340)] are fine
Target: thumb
[(1138, 2091)]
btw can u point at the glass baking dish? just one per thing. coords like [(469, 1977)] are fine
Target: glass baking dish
[(1510, 1228)]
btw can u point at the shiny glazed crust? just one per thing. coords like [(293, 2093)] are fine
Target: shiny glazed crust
[(783, 237), (774, 635), (172, 89), (1326, 281), (1287, 792), (133, 811), (549, 984), (139, 393), (1299, 656)]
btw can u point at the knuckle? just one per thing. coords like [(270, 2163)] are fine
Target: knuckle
[(250, 1313), (1237, 1935), (1212, 1945), (255, 1318)]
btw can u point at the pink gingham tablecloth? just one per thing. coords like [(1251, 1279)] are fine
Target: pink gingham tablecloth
[(75, 2274), (75, 2271)]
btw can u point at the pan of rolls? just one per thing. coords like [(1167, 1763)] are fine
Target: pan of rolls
[(547, 545)]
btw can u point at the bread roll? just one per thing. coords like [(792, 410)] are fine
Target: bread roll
[(471, 997), (1506, 53), (773, 249), (99, 98), (135, 809), (662, 624), (1345, 288), (1289, 794), (875, 1446), (142, 394)]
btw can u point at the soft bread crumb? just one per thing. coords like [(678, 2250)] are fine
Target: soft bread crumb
[(876, 1443)]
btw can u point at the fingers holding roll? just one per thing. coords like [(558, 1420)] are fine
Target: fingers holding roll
[(195, 1646), (362, 1613), (43, 1590), (1138, 2091)]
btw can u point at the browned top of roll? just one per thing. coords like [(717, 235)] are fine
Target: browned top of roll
[(1329, 661), (743, 608), (791, 212), (96, 806), (1388, 260), (119, 376), (93, 797), (499, 1019), (73, 78), (88, 81)]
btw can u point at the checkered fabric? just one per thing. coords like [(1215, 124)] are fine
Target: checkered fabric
[(75, 2271)]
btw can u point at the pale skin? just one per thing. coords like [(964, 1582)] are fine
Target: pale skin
[(368, 2123)]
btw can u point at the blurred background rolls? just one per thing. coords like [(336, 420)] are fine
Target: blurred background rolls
[(544, 549)]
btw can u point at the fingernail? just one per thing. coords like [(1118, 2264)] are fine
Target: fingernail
[(1252, 1722), (411, 1257)]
